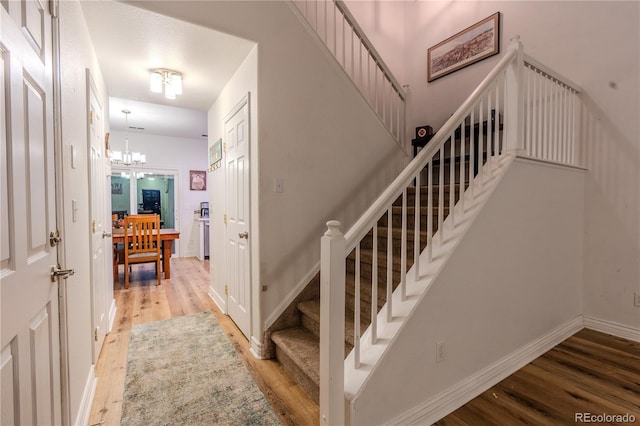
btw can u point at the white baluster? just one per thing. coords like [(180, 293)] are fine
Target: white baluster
[(472, 153), (374, 287), (463, 148), (389, 263), (514, 109), (416, 229), (356, 312), (441, 195), (452, 176), (403, 249), (430, 211), (332, 290)]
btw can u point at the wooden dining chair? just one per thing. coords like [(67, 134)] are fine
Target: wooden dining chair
[(142, 242)]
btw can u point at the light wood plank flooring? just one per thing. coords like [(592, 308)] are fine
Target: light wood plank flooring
[(590, 372), (184, 294)]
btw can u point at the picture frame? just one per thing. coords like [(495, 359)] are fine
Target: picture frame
[(116, 188), (215, 155), (197, 180), (107, 147), (473, 44)]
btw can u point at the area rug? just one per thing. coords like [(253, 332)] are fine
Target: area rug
[(184, 371)]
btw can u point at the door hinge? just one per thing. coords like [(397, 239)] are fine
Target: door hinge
[(224, 147), (95, 334), (91, 117), (225, 219), (54, 238), (93, 226), (226, 289)]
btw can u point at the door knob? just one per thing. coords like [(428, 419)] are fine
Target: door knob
[(244, 235), (106, 234)]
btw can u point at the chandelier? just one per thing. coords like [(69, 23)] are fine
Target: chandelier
[(127, 158), (166, 80)]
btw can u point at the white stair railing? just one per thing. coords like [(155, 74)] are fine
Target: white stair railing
[(519, 108), (338, 30)]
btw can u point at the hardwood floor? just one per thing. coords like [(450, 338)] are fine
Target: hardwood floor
[(589, 373), (185, 293)]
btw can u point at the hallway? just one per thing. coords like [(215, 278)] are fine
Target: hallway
[(184, 294)]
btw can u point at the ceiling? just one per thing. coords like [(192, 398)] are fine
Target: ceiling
[(129, 42)]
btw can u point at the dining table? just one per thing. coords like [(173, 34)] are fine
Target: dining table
[(167, 236)]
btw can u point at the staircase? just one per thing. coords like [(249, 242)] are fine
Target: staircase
[(424, 212), (297, 347)]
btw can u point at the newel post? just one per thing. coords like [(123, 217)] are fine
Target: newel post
[(332, 291), (514, 131)]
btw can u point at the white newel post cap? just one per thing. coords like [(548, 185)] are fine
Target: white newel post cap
[(333, 229), (515, 42)]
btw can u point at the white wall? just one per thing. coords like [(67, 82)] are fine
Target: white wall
[(525, 251), (77, 55), (593, 44), (166, 153), (315, 132)]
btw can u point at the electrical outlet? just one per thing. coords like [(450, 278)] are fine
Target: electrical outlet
[(440, 351), (636, 299)]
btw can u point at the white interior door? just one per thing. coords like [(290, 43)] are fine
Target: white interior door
[(100, 235), (236, 134), (29, 338)]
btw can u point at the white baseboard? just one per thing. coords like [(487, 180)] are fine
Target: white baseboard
[(615, 329), (218, 300), (459, 394), (256, 348), (84, 412)]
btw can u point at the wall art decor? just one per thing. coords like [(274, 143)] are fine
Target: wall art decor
[(197, 180), (469, 46), (215, 155)]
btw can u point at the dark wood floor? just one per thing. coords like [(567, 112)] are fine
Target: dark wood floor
[(589, 373)]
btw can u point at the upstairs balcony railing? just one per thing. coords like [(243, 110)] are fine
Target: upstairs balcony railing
[(338, 30)]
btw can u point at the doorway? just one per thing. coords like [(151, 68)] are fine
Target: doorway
[(143, 191), (238, 248)]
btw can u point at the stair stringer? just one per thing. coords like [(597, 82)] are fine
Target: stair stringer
[(565, 306)]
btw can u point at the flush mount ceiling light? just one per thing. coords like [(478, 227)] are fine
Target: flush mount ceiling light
[(127, 158), (166, 80)]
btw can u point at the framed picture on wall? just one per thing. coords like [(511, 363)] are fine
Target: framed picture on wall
[(215, 155), (197, 180), (473, 44), (116, 188)]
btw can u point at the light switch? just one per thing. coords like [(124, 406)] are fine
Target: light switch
[(74, 210), (74, 157)]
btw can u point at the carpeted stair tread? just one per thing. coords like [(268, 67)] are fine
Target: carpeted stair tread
[(298, 350), (298, 347), (311, 309), (303, 347)]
